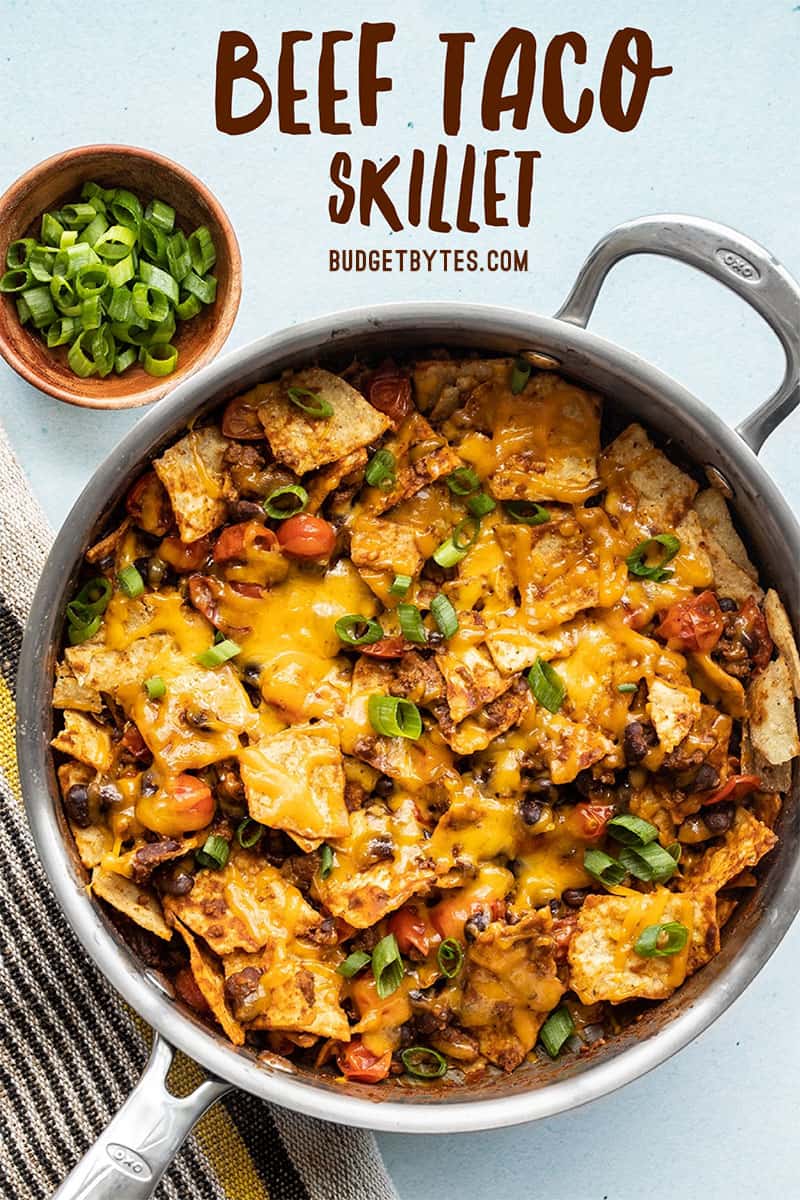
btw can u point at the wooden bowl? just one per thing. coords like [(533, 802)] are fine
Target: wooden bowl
[(58, 180)]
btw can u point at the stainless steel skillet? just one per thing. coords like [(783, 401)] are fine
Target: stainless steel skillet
[(133, 1152)]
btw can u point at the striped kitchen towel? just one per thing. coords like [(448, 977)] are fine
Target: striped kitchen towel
[(70, 1049)]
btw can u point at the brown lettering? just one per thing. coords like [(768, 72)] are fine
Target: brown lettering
[(415, 178), (553, 84), (436, 221), (491, 196), (229, 69), (495, 102), (464, 220), (453, 78), (369, 82), (372, 192), (288, 95), (527, 162), (341, 168), (619, 60), (328, 91)]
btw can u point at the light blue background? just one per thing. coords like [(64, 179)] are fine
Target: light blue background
[(719, 138)]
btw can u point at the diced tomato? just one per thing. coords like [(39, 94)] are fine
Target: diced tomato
[(413, 931), (389, 390), (204, 594), (189, 992), (593, 818), (694, 624), (305, 536), (361, 1065), (253, 591), (563, 930), (184, 556), (388, 647), (751, 625), (193, 801), (148, 504), (735, 788), (134, 743), (235, 541), (240, 420)]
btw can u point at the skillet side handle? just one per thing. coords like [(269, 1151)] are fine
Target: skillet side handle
[(135, 1149), (727, 256)]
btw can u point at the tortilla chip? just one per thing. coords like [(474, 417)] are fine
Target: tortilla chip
[(382, 545), (510, 985), (85, 740), (567, 747), (442, 385), (100, 669), (294, 991), (543, 442), (211, 981), (782, 634), (434, 459), (294, 781), (602, 960), (776, 778), (743, 846), (479, 731), (362, 890), (716, 684), (245, 906), (304, 442), (328, 479), (704, 943), (715, 518), (643, 488), (193, 473), (483, 578), (673, 712), (471, 678), (514, 648), (729, 578), (140, 904), (108, 544), (69, 693), (773, 724)]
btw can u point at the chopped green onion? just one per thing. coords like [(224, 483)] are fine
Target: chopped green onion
[(411, 623), (40, 303), (662, 941), (115, 243), (462, 481), (650, 863), (70, 236), (81, 633), (159, 280), (131, 581), (188, 308), (218, 654), (603, 867), (461, 540), (16, 280), (126, 208), (248, 837), (149, 303), (450, 957), (124, 360), (42, 264), (23, 312), (393, 716), (178, 259), (354, 963), (75, 216), (64, 297), (161, 215), (163, 332), (444, 615), (481, 504), (214, 854), (103, 350), (93, 231), (629, 830), (669, 544), (201, 250), (91, 281), (161, 359), (122, 272), (62, 331), (626, 688), (19, 252), (52, 230), (355, 630), (400, 585), (94, 597), (520, 374), (424, 1062), (387, 966), (79, 361), (155, 687), (205, 289), (154, 242), (558, 1027), (325, 861), (380, 470), (547, 685), (91, 311), (526, 512), (280, 511), (309, 402)]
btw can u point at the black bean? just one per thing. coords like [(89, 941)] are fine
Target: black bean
[(76, 802), (727, 604), (380, 848), (639, 738), (246, 510), (109, 794), (719, 818), (574, 897), (476, 924), (106, 563), (149, 785), (436, 638), (706, 778), (530, 810), (176, 882), (384, 787)]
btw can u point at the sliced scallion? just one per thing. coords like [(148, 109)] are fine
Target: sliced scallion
[(462, 481), (481, 504), (400, 585), (547, 685), (558, 1027), (311, 403), (650, 863), (526, 512), (131, 581), (249, 833), (520, 374), (630, 830), (450, 957), (603, 867), (325, 861), (410, 619), (214, 854), (354, 963), (219, 653), (381, 471), (637, 559), (155, 687), (387, 966), (662, 941), (393, 716), (444, 614), (355, 630), (424, 1062), (286, 501)]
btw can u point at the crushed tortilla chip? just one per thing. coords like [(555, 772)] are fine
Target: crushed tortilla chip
[(140, 904), (442, 385), (210, 979), (471, 678), (288, 988), (294, 781), (673, 712), (744, 845), (327, 479), (773, 724), (421, 457), (84, 739), (68, 692), (729, 578), (193, 473), (782, 634), (305, 443), (643, 488), (716, 519), (380, 545)]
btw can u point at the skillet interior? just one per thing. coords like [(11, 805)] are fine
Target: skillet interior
[(538, 1088)]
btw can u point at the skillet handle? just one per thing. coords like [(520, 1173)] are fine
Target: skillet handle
[(135, 1149), (727, 256)]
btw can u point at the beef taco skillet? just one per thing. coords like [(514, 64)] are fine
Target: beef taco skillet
[(417, 726), (574, 737)]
